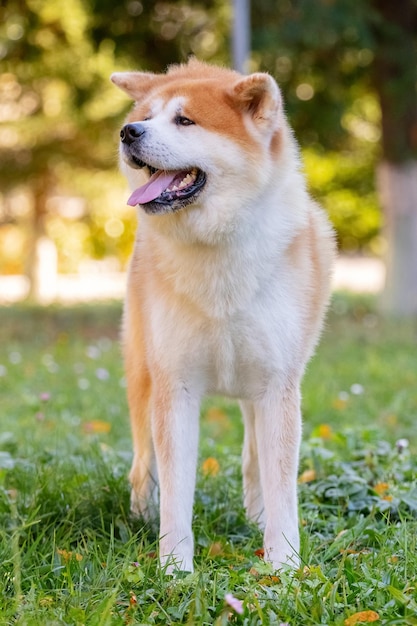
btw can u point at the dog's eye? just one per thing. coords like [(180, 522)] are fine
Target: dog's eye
[(180, 120)]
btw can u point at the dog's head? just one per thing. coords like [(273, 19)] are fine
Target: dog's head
[(199, 134)]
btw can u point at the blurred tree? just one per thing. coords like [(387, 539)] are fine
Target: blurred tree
[(57, 105), (337, 60), (395, 81), (153, 34), (54, 92)]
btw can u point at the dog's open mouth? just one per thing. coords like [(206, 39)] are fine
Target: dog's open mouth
[(168, 190)]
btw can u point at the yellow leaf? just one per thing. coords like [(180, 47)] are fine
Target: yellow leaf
[(339, 404), (66, 555), (392, 419), (381, 488), (361, 617), (267, 581), (79, 557), (308, 476), (96, 426), (210, 467), (216, 549), (214, 414), (325, 431)]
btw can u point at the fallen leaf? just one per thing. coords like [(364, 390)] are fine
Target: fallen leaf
[(214, 414), (210, 467), (66, 555), (325, 431), (267, 581), (96, 426), (308, 476), (362, 617), (392, 419), (151, 555), (215, 549), (339, 404), (381, 488)]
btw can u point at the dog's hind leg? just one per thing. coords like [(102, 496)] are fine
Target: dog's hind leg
[(252, 490), (143, 473), (278, 434)]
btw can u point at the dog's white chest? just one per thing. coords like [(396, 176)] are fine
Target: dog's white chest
[(229, 326), (243, 354)]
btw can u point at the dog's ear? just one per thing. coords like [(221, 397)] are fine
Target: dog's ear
[(258, 95), (135, 84)]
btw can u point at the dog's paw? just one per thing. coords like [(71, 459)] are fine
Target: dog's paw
[(283, 554), (143, 508), (175, 565)]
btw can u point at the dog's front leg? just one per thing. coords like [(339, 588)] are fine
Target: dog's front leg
[(175, 421), (278, 433)]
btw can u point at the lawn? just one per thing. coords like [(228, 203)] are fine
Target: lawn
[(69, 552)]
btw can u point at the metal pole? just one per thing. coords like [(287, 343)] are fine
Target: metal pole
[(241, 35)]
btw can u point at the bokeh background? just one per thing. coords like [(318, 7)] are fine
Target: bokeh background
[(347, 70)]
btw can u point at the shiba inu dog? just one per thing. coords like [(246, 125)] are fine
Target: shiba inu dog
[(227, 289)]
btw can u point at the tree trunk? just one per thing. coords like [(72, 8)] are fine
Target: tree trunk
[(397, 185), (41, 258), (394, 78)]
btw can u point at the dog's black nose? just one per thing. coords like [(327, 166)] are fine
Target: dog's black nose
[(130, 132)]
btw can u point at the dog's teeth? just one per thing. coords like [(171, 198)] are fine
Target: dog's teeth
[(185, 181)]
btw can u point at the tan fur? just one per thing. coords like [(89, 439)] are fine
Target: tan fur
[(226, 295)]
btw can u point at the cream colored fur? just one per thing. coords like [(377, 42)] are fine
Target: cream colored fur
[(225, 296)]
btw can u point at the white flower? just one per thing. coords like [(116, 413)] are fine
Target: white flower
[(102, 373), (93, 352), (15, 358), (402, 444)]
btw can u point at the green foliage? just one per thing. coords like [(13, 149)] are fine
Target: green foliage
[(69, 552), (61, 115), (344, 185)]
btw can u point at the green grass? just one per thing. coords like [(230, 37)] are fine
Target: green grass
[(70, 554)]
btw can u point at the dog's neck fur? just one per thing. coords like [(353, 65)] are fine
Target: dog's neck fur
[(250, 250)]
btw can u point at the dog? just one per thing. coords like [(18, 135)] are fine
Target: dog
[(227, 290)]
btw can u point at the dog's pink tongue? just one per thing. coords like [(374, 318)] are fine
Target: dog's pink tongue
[(157, 183)]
